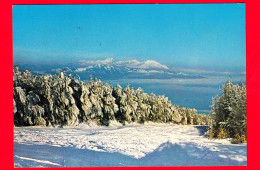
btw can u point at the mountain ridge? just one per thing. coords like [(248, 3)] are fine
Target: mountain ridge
[(109, 69)]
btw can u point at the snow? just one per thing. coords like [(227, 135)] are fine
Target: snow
[(152, 144), (38, 161), (80, 69), (148, 64), (153, 64), (109, 62)]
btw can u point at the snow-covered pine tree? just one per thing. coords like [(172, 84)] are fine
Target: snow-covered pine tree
[(50, 100), (229, 111)]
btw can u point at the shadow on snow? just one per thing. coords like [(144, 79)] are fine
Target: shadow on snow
[(167, 154)]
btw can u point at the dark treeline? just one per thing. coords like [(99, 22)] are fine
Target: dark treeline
[(229, 113), (50, 100)]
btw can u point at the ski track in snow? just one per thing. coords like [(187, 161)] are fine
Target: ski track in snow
[(38, 161), (136, 141)]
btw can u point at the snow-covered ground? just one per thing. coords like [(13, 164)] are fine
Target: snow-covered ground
[(152, 144)]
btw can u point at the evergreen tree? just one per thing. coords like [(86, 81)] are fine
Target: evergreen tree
[(229, 111), (50, 100)]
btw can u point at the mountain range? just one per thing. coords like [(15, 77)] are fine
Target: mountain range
[(110, 69)]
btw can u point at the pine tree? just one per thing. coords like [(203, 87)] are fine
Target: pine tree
[(64, 100), (229, 111)]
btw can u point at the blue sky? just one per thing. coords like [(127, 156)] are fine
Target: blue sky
[(181, 35)]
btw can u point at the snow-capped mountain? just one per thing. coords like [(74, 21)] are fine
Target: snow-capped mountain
[(109, 62), (148, 64), (110, 69), (134, 69)]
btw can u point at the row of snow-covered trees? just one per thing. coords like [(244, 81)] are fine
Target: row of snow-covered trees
[(229, 113), (50, 100)]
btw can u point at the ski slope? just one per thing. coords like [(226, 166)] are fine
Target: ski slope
[(152, 144)]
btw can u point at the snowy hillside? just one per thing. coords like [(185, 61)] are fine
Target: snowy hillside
[(152, 144)]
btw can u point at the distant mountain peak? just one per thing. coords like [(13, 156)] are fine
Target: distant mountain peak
[(125, 69), (133, 69), (135, 64), (108, 61), (153, 64)]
